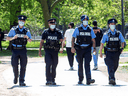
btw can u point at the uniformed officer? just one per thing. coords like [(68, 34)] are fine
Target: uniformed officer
[(19, 35), (99, 34), (53, 37), (85, 39), (114, 46)]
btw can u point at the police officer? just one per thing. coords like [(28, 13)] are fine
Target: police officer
[(85, 39), (53, 37), (114, 46), (19, 35), (99, 34)]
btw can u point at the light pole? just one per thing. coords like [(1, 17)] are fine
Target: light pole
[(123, 31)]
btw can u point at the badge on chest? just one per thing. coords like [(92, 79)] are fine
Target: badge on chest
[(52, 37), (114, 39), (85, 34)]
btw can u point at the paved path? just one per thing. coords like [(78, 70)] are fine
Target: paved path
[(66, 81)]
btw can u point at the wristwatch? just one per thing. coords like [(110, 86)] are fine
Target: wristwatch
[(94, 47)]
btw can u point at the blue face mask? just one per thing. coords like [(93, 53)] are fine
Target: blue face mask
[(53, 26), (112, 27), (85, 22), (21, 23)]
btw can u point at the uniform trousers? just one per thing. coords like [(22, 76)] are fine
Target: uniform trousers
[(112, 62), (51, 60), (86, 55), (19, 56)]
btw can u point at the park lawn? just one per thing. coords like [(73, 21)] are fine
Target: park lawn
[(33, 44), (30, 53), (123, 69), (34, 53)]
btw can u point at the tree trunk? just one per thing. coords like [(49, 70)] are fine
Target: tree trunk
[(46, 12)]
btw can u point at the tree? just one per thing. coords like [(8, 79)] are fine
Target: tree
[(47, 8), (10, 9)]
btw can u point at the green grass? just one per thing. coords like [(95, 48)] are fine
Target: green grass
[(30, 53), (124, 69), (33, 44), (0, 62), (123, 62)]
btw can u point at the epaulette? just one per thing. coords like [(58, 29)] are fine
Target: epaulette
[(58, 30), (90, 27), (106, 32), (14, 27), (26, 29), (118, 31)]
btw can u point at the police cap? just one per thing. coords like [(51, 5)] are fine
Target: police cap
[(52, 19), (83, 17), (22, 17), (95, 23), (113, 20)]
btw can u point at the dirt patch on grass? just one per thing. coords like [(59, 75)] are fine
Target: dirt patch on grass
[(121, 74)]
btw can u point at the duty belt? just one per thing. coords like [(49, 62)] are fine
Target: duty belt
[(112, 49), (18, 47), (81, 47)]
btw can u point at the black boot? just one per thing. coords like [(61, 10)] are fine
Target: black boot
[(22, 84), (53, 83), (48, 83), (80, 82), (15, 80), (90, 81), (112, 82)]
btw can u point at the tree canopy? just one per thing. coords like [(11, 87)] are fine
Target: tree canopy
[(65, 11)]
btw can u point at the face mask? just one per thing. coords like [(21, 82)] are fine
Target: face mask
[(68, 27), (21, 23), (112, 27), (52, 26), (85, 22)]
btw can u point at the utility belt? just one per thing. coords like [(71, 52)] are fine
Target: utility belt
[(56, 48), (18, 47), (78, 47), (113, 49)]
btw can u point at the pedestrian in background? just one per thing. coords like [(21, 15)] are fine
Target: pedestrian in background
[(1, 38), (68, 38), (99, 34)]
